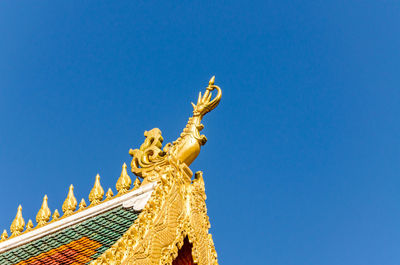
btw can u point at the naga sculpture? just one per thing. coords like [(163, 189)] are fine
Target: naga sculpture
[(186, 148)]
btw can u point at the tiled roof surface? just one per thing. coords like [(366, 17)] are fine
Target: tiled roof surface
[(77, 244)]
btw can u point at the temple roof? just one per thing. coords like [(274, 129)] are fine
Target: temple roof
[(77, 244), (160, 220), (81, 236)]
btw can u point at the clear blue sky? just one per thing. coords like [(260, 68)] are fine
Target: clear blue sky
[(302, 163)]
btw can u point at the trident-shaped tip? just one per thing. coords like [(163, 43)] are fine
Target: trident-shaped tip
[(212, 80)]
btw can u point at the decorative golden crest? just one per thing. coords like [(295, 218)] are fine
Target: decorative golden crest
[(185, 149)]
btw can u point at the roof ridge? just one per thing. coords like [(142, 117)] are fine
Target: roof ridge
[(135, 199), (69, 206)]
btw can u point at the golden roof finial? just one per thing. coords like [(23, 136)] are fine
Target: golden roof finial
[(56, 215), (43, 216), (109, 194), (82, 204), (17, 226), (97, 192), (186, 148), (4, 236), (124, 181), (70, 202), (136, 184), (29, 225)]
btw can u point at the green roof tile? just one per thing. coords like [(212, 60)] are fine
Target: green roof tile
[(88, 240)]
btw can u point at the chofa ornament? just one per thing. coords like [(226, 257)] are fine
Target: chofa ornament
[(186, 148)]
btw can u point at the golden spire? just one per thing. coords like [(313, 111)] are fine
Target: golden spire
[(136, 184), (70, 202), (56, 215), (29, 225), (4, 236), (124, 181), (43, 216), (18, 224), (97, 192), (82, 204), (109, 194)]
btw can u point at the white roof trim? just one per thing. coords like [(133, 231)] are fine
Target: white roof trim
[(136, 199)]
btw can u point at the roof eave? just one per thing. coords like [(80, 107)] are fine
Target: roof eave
[(135, 199)]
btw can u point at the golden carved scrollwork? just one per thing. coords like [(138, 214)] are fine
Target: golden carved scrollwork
[(149, 155), (203, 245), (175, 210)]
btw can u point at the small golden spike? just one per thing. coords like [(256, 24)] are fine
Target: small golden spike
[(4, 236), (136, 184), (212, 80), (43, 216), (97, 192), (109, 194), (18, 224), (70, 202), (56, 215), (124, 181), (82, 205), (29, 225)]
